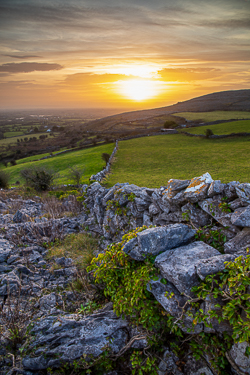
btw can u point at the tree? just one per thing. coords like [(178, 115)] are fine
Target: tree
[(76, 174), (105, 157), (4, 180), (208, 133)]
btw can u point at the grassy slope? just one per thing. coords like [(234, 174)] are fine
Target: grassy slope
[(225, 128), (89, 159), (152, 161), (214, 116)]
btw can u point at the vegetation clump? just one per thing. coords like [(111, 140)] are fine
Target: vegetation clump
[(208, 133), (40, 178), (4, 180)]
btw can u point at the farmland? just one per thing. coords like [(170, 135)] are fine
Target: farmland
[(152, 161)]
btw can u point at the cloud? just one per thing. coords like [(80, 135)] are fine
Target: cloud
[(188, 74), (232, 23), (27, 67), (22, 56)]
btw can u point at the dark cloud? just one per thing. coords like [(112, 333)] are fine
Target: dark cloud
[(22, 56), (27, 67), (240, 23)]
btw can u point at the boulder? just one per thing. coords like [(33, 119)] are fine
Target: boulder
[(168, 364), (215, 188), (175, 186), (158, 200), (241, 217), (196, 367), (240, 241), (197, 217), (237, 355), (198, 187), (230, 189), (153, 241), (179, 265), (212, 207), (21, 217), (243, 192), (174, 305), (213, 265), (64, 339)]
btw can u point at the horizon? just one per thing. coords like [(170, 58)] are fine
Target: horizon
[(126, 55)]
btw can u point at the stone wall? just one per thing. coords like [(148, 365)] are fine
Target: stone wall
[(100, 175)]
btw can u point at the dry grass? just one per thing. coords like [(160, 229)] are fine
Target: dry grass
[(80, 247)]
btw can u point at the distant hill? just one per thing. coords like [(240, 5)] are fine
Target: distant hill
[(235, 100)]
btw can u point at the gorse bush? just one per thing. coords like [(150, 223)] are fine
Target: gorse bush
[(4, 180), (40, 178)]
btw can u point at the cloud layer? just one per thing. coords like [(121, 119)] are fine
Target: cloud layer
[(204, 44)]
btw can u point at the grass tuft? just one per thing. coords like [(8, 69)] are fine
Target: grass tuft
[(80, 247)]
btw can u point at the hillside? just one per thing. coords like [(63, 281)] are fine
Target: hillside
[(236, 100)]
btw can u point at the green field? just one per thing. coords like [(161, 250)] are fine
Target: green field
[(89, 159), (242, 126), (13, 134), (14, 139), (152, 161), (214, 116)]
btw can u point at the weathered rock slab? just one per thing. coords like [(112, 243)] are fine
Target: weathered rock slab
[(153, 241), (63, 339), (240, 241), (241, 217), (237, 354), (179, 265), (198, 187)]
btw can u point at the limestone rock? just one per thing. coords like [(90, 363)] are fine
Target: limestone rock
[(212, 207), (212, 265), (175, 186), (196, 367), (64, 339), (196, 216), (198, 187), (173, 305), (179, 265), (241, 217), (243, 192), (156, 240), (241, 240), (168, 364), (216, 187), (237, 354), (230, 189), (21, 217)]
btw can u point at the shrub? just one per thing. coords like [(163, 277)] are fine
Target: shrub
[(208, 133), (169, 124), (4, 180), (76, 174), (39, 178)]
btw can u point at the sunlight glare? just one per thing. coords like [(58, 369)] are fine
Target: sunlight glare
[(138, 89)]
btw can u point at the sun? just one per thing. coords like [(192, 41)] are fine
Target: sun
[(138, 89)]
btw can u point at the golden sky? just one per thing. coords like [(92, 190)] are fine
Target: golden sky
[(127, 54)]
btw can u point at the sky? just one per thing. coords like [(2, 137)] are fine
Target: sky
[(129, 54)]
